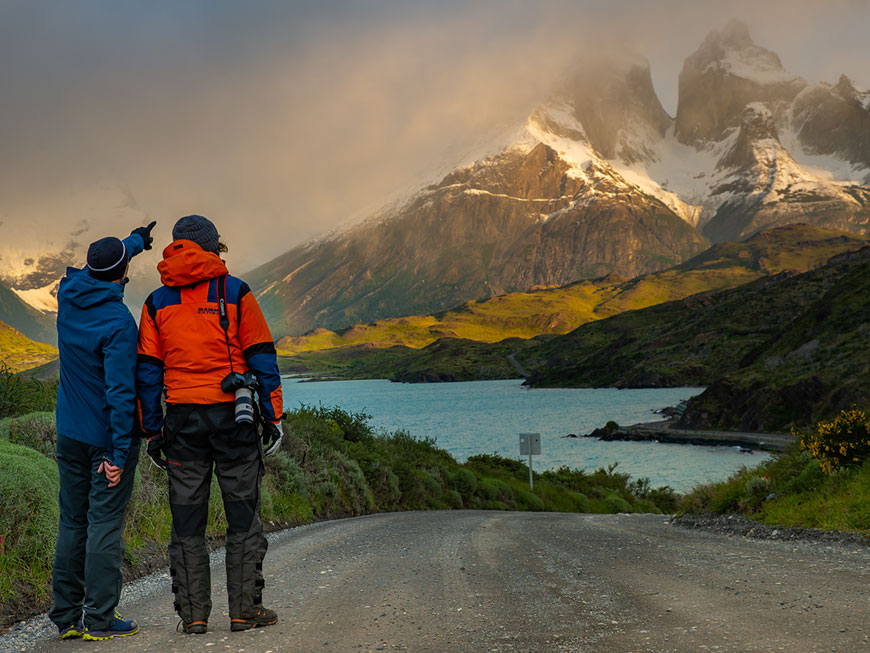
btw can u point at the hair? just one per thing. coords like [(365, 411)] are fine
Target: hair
[(222, 248)]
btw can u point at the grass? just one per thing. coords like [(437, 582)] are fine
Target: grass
[(18, 352), (791, 490), (28, 526)]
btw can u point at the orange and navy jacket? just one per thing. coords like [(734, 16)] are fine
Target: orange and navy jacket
[(182, 346)]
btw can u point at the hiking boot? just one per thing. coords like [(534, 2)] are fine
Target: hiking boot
[(120, 628), (75, 630), (194, 627), (263, 617)]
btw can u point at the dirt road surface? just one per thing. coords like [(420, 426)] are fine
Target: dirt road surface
[(502, 581)]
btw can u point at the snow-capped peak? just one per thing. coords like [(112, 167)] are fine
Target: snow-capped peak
[(733, 52)]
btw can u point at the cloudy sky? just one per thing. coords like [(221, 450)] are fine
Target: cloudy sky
[(282, 120)]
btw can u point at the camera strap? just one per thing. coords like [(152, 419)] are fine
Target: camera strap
[(222, 311)]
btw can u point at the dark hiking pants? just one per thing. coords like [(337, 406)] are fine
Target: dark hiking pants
[(90, 543), (202, 439)]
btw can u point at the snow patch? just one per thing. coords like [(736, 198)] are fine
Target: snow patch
[(42, 299), (554, 125), (753, 64)]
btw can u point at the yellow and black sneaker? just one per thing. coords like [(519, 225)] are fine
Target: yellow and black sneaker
[(120, 628), (74, 631), (262, 617)]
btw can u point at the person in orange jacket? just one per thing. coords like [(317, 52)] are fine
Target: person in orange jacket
[(203, 341)]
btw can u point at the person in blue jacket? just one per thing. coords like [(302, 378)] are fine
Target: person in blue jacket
[(97, 449)]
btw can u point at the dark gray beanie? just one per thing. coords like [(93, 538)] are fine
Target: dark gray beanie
[(198, 229), (107, 259)]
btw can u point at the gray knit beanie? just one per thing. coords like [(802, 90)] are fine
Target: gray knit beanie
[(198, 229)]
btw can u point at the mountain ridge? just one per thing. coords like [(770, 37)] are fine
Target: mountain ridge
[(431, 347), (600, 180)]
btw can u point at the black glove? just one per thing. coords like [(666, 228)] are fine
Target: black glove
[(145, 234), (272, 435), (156, 453)]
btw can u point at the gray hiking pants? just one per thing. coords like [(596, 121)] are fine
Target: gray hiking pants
[(202, 439), (90, 543)]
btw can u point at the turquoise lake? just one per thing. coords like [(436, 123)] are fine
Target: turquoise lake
[(488, 416)]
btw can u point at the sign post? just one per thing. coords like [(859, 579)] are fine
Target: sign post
[(530, 445)]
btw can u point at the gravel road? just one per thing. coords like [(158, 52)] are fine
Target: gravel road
[(512, 581)]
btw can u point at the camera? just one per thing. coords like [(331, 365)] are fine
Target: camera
[(243, 385)]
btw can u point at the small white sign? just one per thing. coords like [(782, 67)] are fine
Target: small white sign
[(530, 444)]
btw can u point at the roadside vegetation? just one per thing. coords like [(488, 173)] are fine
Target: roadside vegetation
[(822, 481), (332, 464), (20, 395)]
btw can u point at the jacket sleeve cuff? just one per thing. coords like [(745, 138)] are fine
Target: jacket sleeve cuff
[(134, 244)]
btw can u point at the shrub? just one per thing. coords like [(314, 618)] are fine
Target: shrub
[(21, 395), (488, 489), (756, 486), (28, 524), (616, 503), (645, 505), (611, 426), (34, 430), (728, 499), (505, 491), (579, 500), (810, 477), (384, 485), (464, 481), (453, 499), (285, 475), (354, 427), (841, 442), (528, 501)]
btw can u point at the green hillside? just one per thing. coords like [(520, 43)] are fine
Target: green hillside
[(387, 347), (787, 349), (18, 352)]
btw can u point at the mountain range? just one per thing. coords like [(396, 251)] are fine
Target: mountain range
[(598, 179), (18, 314), (483, 339)]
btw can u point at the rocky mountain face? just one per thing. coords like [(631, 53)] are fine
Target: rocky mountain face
[(783, 150), (834, 120), (546, 210), (599, 180), (761, 186), (19, 315), (726, 73)]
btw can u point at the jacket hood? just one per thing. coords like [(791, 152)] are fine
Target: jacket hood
[(185, 263), (80, 289)]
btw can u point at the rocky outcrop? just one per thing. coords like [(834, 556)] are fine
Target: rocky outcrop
[(835, 120), (728, 72), (758, 407), (763, 186), (506, 223), (621, 114)]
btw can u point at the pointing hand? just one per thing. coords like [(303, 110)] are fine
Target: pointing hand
[(145, 234)]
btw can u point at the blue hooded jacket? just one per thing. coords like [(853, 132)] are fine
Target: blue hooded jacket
[(96, 337)]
